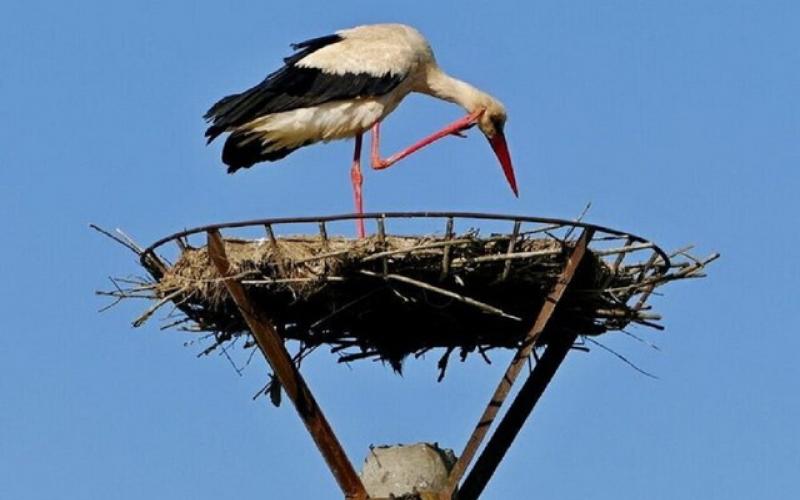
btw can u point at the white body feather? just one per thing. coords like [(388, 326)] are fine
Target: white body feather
[(376, 50), (326, 122)]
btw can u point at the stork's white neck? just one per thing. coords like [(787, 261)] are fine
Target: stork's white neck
[(440, 84)]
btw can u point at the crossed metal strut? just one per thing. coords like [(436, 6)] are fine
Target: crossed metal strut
[(311, 414)]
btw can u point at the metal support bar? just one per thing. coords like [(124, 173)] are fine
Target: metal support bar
[(512, 243), (382, 242), (525, 350), (448, 235), (273, 349), (515, 417)]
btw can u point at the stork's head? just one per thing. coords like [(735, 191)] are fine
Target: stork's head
[(492, 123)]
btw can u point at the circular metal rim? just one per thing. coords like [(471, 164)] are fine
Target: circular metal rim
[(405, 215)]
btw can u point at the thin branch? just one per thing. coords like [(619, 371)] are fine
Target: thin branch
[(147, 314), (621, 357), (643, 341), (578, 220), (123, 240), (447, 293)]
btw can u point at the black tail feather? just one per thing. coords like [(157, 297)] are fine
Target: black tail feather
[(243, 150), (227, 112), (269, 96)]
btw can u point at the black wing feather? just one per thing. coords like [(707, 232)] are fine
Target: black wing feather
[(293, 87)]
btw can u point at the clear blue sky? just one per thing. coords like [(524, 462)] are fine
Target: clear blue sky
[(678, 120)]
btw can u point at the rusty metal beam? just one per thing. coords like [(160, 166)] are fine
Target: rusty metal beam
[(525, 350), (296, 389), (515, 417)]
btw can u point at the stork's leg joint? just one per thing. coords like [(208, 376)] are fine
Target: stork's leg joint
[(455, 128), (355, 175)]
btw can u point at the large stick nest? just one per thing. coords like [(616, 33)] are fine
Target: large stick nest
[(388, 297)]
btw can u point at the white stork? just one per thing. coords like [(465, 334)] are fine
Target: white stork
[(340, 86)]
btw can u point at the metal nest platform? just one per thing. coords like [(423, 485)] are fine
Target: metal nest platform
[(473, 283)]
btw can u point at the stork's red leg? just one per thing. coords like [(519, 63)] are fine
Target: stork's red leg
[(452, 129), (357, 180)]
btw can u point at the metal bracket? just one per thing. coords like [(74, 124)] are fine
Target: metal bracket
[(528, 396), (274, 351), (309, 411)]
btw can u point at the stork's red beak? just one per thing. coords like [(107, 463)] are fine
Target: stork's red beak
[(500, 148)]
